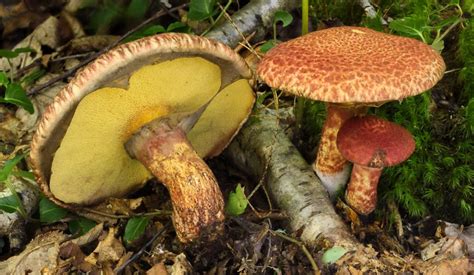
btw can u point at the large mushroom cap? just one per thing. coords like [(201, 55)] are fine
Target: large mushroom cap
[(77, 152), (351, 65), (374, 142)]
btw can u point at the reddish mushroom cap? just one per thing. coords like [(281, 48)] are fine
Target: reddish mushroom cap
[(374, 142), (350, 65)]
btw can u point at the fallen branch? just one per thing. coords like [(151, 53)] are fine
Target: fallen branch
[(255, 16), (370, 11), (289, 180)]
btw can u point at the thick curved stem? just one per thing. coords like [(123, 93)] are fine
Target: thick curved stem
[(330, 166), (361, 192), (198, 206)]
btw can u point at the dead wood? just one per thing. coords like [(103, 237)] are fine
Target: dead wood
[(263, 150), (256, 16)]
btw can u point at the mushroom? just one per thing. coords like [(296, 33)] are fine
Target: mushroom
[(146, 95), (350, 68), (371, 143)]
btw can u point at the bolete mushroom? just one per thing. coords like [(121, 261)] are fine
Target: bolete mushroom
[(139, 94), (371, 143), (350, 68)]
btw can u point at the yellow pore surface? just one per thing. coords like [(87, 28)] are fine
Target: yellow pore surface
[(91, 162)]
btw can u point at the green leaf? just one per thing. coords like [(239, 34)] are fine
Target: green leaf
[(8, 167), (81, 226), (15, 94), (237, 202), (4, 80), (137, 9), (438, 45), (33, 76), (9, 204), (333, 254), (135, 228), (24, 174), (154, 29), (411, 26), (24, 50), (268, 45), (283, 17), (201, 9), (50, 212), (8, 53), (178, 27), (147, 31)]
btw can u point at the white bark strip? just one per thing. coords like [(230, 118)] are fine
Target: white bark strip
[(290, 180), (255, 16)]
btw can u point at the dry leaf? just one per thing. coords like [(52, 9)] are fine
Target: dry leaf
[(158, 269), (109, 250), (464, 233), (90, 236), (181, 266), (40, 253), (45, 34), (19, 16)]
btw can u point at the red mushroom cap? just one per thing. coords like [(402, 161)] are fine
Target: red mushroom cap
[(352, 65), (374, 142)]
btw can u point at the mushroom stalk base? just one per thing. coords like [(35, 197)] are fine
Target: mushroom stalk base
[(361, 192), (198, 206), (330, 166)]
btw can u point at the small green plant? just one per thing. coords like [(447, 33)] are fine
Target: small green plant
[(14, 93), (237, 202), (12, 203), (280, 16), (427, 18), (156, 29)]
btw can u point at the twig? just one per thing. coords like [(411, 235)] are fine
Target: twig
[(370, 10), (94, 56), (260, 184), (245, 42), (305, 250), (247, 38), (142, 250), (146, 214), (397, 218), (79, 55)]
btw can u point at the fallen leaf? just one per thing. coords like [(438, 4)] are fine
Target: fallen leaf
[(109, 250), (40, 253), (466, 233), (90, 236), (157, 269), (181, 265)]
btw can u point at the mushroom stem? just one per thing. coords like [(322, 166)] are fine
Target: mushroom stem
[(361, 193), (198, 206), (330, 166)]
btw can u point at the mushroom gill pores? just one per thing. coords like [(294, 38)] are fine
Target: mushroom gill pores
[(91, 162)]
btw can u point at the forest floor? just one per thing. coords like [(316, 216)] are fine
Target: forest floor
[(38, 236)]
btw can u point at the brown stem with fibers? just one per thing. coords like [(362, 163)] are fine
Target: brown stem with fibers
[(330, 166), (198, 206), (361, 192)]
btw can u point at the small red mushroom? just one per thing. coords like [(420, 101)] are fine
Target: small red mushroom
[(371, 143)]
